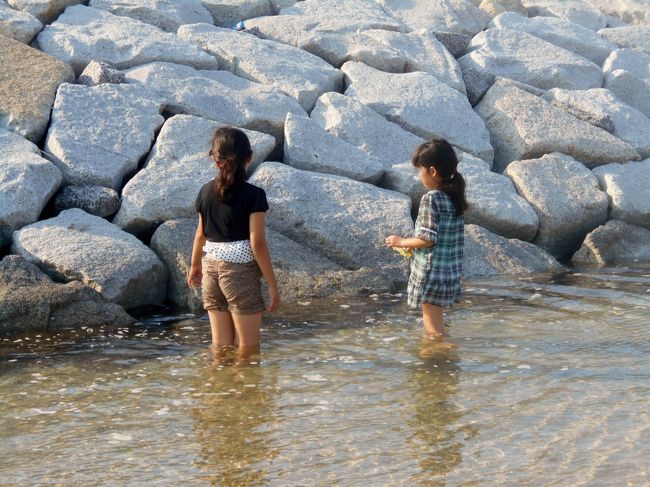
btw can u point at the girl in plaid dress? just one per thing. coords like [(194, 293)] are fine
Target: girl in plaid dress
[(437, 243)]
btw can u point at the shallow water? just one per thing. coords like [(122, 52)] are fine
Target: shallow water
[(549, 385)]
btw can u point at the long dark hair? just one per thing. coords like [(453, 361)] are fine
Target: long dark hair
[(231, 149), (439, 154)]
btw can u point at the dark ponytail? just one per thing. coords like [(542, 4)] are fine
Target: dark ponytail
[(231, 149), (439, 154)]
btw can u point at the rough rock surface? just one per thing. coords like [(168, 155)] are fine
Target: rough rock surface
[(309, 147), (523, 126), (294, 71), (615, 242), (27, 90), (419, 103), (76, 246), (627, 87), (87, 137), (635, 62), (567, 199), (496, 7), (11, 143), (218, 95), (83, 34), (635, 37), (577, 11), (227, 13), (94, 200), (178, 165), (20, 26), (44, 10), (629, 11), (628, 190), (30, 300), (98, 73)]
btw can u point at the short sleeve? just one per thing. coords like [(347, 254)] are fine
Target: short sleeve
[(426, 226), (198, 204), (259, 202)]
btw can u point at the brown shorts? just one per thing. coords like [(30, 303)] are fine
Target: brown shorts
[(232, 287)]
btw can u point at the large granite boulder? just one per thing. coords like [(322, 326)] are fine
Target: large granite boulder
[(11, 143), (496, 7), (227, 13), (18, 25), (576, 11), (346, 221), (627, 87), (30, 300), (524, 126), (488, 255), (635, 37), (99, 73), (629, 11), (177, 167), (87, 136), (630, 60), (167, 15), (309, 147), (615, 242), (218, 95), (28, 83), (94, 200), (420, 103), (294, 71), (84, 34), (628, 190), (517, 55), (76, 246), (44, 10), (567, 199)]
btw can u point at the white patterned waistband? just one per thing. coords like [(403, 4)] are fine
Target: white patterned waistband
[(238, 252)]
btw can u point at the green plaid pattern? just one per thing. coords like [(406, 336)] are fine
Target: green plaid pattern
[(436, 271)]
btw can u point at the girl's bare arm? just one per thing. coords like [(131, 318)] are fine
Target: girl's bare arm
[(263, 256), (409, 243), (195, 276)]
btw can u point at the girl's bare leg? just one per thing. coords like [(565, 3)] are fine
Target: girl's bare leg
[(434, 326), (223, 328), (248, 329)]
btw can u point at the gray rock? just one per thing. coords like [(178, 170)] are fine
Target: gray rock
[(76, 246), (30, 300), (601, 108), (455, 43), (99, 73), (576, 11), (418, 102), (44, 10), (218, 95), (20, 26), (635, 37), (477, 82), (167, 15), (566, 197), (27, 90), (346, 221), (631, 60), (309, 147), (296, 72), (278, 5), (528, 59), (488, 255), (227, 13), (627, 87), (11, 143), (87, 138), (496, 7), (83, 34), (94, 200), (628, 11), (523, 126), (27, 182), (177, 167), (562, 33), (615, 242), (628, 190)]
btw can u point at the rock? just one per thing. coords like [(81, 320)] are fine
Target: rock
[(404, 178), (628, 190), (364, 128), (296, 72), (227, 13), (523, 126), (20, 26), (177, 167), (445, 15), (629, 11), (601, 108), (496, 7), (44, 10), (98, 73), (627, 87), (278, 5), (528, 59), (487, 255), (455, 43), (76, 246), (418, 102), (11, 142), (30, 300), (167, 15), (477, 82), (27, 90), (94, 200), (309, 147), (635, 62), (27, 182), (635, 37), (576, 11), (562, 33), (346, 221), (566, 197), (615, 242), (83, 34), (87, 138), (423, 52), (218, 95)]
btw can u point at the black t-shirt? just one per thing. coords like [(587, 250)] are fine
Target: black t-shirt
[(229, 221)]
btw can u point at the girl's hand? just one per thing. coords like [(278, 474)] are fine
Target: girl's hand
[(394, 241), (274, 294), (195, 276)]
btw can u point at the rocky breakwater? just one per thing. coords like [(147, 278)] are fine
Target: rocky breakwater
[(107, 108)]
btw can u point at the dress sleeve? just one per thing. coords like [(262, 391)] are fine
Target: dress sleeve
[(426, 226), (198, 204), (259, 201)]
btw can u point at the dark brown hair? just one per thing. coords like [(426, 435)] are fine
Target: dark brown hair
[(232, 149), (439, 154)]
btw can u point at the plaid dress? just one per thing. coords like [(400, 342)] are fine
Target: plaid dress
[(436, 270)]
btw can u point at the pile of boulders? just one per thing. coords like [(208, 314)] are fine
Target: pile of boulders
[(107, 108)]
